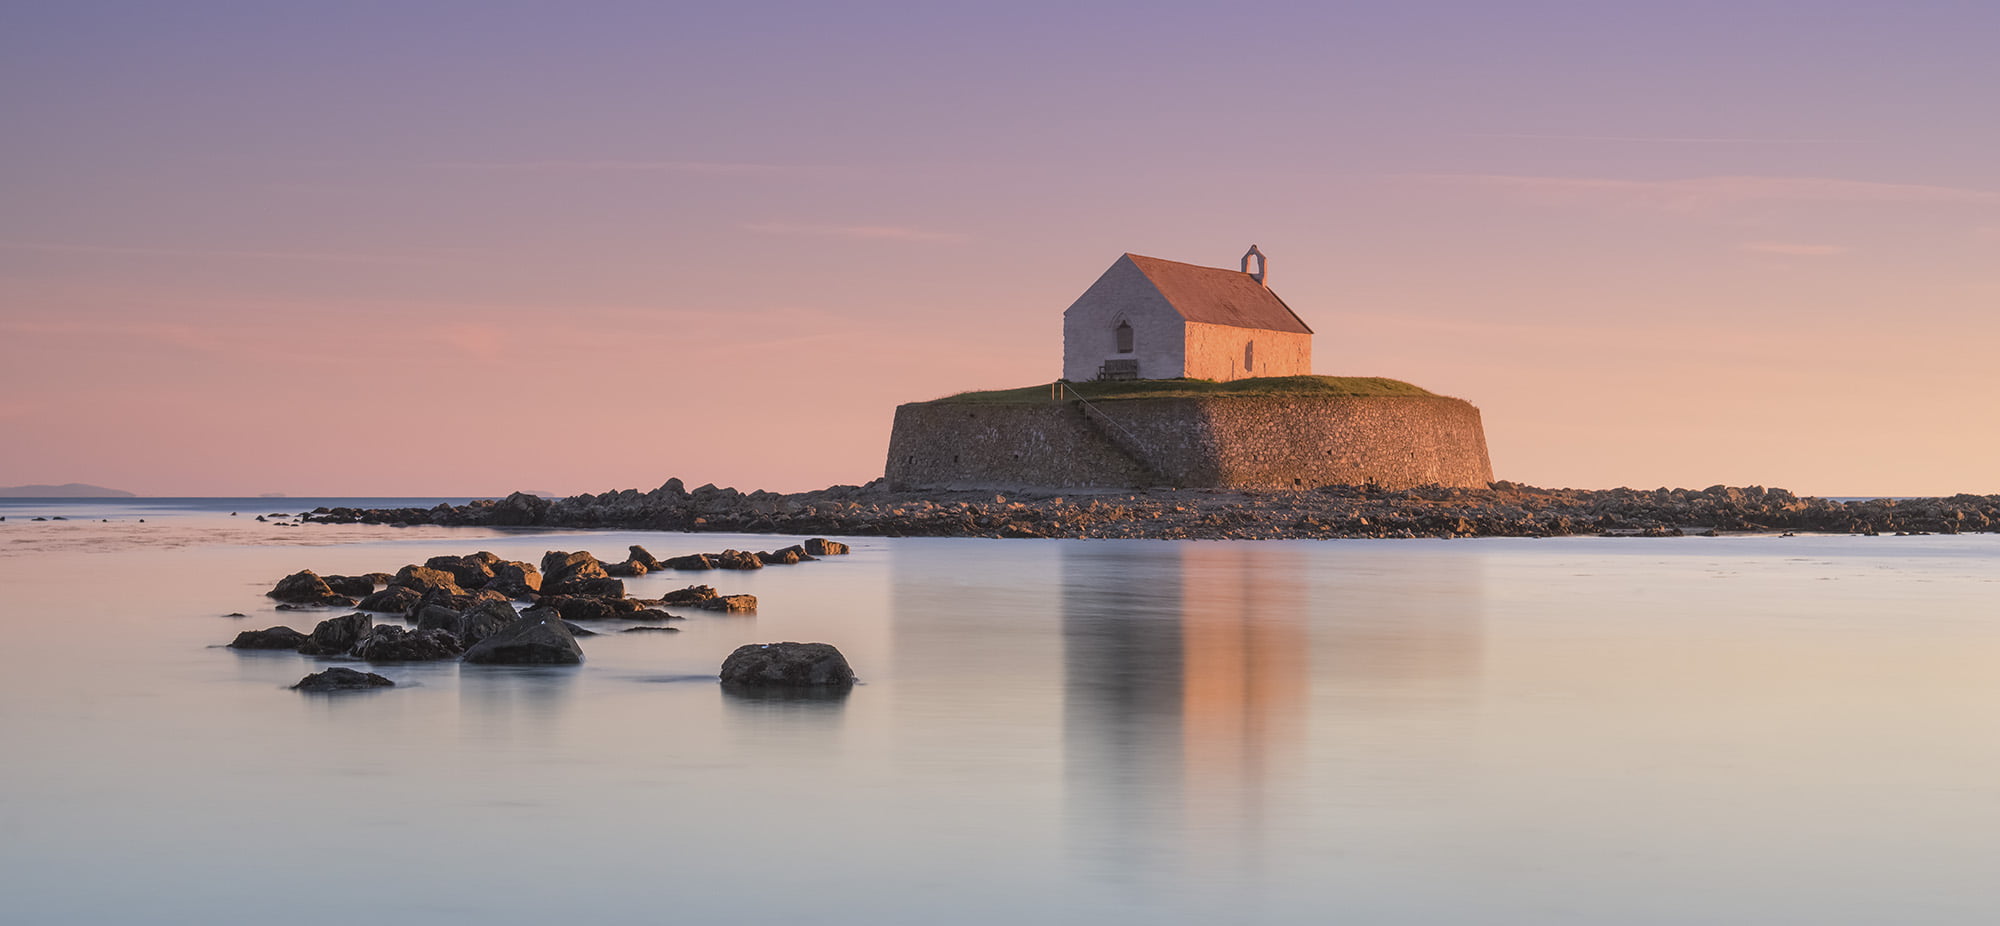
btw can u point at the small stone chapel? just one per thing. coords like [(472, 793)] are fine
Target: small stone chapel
[(1148, 318)]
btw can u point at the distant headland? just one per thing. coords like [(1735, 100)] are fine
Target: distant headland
[(66, 490)]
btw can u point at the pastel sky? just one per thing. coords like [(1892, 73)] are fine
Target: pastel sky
[(408, 248)]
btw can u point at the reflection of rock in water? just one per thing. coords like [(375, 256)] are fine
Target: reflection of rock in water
[(507, 703)]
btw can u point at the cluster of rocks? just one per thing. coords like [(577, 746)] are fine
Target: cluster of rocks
[(487, 631), (463, 607), (1503, 509)]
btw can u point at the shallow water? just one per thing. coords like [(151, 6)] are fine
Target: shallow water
[(1694, 730)]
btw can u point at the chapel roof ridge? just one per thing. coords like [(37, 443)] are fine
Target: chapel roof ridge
[(1218, 295)]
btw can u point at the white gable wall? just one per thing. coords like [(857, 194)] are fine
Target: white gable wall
[(1089, 327)]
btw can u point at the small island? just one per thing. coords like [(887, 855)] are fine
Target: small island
[(66, 490), (1176, 374)]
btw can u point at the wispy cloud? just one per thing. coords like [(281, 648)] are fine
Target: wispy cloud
[(676, 167), (167, 334), (1702, 194), (869, 232), (1669, 139), (348, 257), (478, 341), (1793, 249)]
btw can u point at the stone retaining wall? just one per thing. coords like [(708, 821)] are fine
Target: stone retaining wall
[(1237, 442)]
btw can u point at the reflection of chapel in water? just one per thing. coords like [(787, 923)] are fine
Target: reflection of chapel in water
[(1190, 671)]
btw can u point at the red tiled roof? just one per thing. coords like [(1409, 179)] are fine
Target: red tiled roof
[(1214, 296)]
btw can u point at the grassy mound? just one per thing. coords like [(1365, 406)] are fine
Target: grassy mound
[(1263, 387)]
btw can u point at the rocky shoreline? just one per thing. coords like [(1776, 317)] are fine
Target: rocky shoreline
[(1502, 510)]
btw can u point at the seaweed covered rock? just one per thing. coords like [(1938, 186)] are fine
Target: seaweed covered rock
[(337, 635), (574, 608), (392, 600), (733, 604), (484, 619), (637, 554), (787, 665), (560, 569), (394, 644), (306, 587), (468, 571), (688, 595), (427, 579), (518, 509), (350, 586), (341, 678), (515, 580), (268, 638)]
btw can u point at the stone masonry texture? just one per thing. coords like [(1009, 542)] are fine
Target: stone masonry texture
[(1393, 442)]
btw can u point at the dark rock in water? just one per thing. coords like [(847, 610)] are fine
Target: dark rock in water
[(737, 559), (637, 554), (578, 630), (786, 665), (468, 571), (694, 562), (340, 678), (437, 598), (654, 629), (269, 638), (438, 617), (388, 643), (689, 595), (820, 546), (304, 587), (351, 586), (602, 587), (335, 636), (785, 557), (518, 509), (652, 614), (236, 614), (575, 608), (392, 600), (734, 604), (484, 619), (380, 578), (627, 568), (425, 579), (559, 567), (515, 580), (539, 638)]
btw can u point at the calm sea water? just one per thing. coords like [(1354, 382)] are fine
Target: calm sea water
[(1694, 730)]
